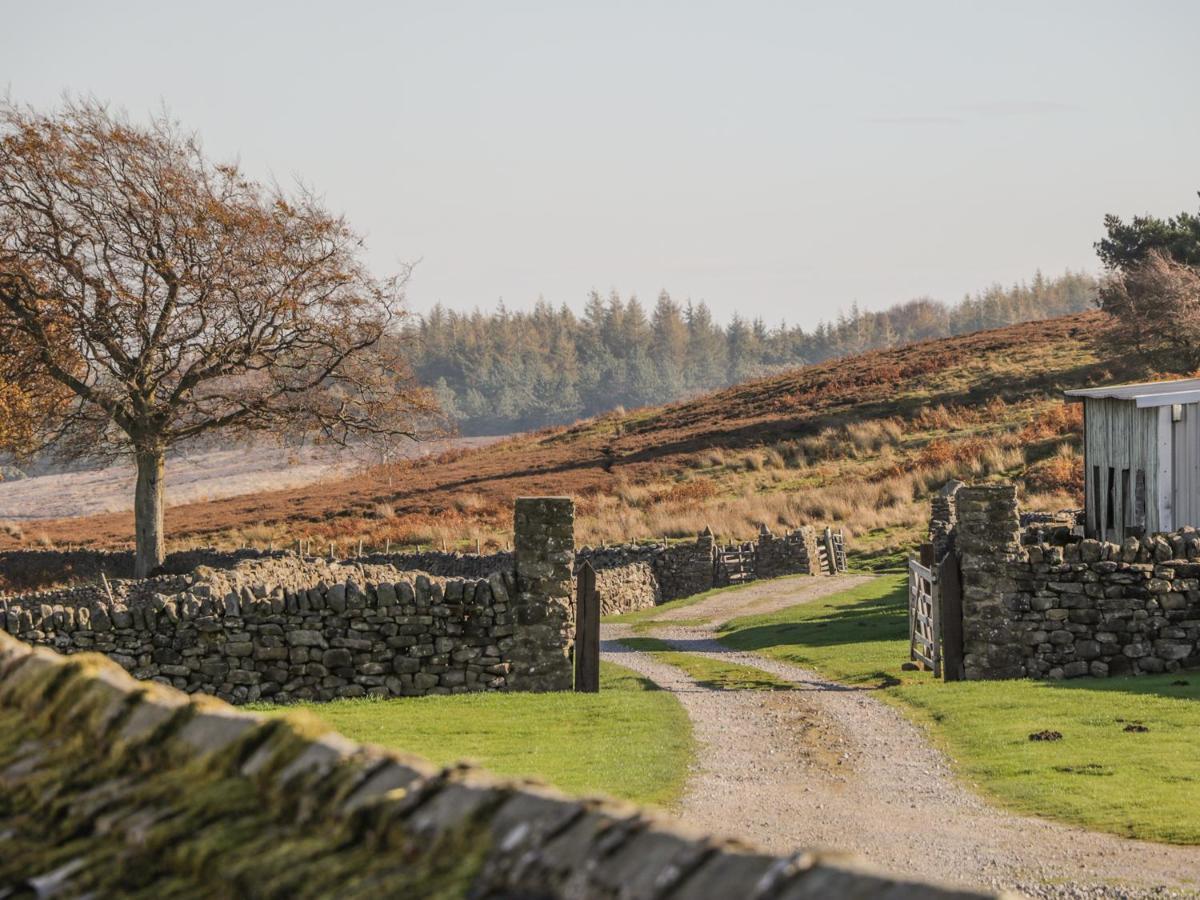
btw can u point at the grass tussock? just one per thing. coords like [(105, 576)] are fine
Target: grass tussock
[(1061, 473)]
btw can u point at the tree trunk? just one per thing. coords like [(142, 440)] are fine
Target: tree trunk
[(148, 513)]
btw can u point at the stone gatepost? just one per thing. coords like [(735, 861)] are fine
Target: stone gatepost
[(812, 555), (943, 518), (544, 606), (988, 543)]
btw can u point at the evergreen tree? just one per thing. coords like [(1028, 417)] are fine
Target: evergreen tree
[(514, 370)]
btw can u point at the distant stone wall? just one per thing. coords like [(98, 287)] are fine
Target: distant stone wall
[(1040, 602), (33, 569), (446, 563), (626, 579), (630, 577), (283, 628), (157, 793), (686, 569), (22, 570), (792, 553)]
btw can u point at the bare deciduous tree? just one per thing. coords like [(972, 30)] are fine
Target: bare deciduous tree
[(1155, 309), (166, 296)]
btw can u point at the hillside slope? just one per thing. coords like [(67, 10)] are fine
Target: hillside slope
[(859, 441)]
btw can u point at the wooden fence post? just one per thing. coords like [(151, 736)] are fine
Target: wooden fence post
[(587, 631)]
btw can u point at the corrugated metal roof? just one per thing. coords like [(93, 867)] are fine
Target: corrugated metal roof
[(1147, 393)]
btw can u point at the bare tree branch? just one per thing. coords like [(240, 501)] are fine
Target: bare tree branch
[(170, 296)]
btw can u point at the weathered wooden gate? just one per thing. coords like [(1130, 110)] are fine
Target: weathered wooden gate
[(735, 564), (587, 631), (935, 629), (831, 552), (924, 628)]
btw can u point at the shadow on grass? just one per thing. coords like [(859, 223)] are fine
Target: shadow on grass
[(710, 673), (729, 675), (1184, 685), (745, 683), (877, 619), (634, 683)]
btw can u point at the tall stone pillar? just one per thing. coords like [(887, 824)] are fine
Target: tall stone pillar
[(943, 518), (544, 607), (812, 554), (988, 542)]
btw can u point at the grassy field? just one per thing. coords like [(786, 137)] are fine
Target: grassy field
[(1136, 784), (631, 740)]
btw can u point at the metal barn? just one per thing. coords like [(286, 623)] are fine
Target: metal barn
[(1141, 451)]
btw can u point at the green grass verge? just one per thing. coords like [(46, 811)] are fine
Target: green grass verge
[(711, 673), (631, 740), (882, 560), (1141, 785)]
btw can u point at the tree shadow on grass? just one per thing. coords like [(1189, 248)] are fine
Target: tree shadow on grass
[(747, 683), (739, 675)]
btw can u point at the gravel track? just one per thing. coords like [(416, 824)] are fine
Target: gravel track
[(832, 767)]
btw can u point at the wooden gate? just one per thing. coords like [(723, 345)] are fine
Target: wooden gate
[(587, 631), (831, 552), (924, 627), (736, 563)]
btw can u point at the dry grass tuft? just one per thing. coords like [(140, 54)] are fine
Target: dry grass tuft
[(1055, 421), (1061, 474)]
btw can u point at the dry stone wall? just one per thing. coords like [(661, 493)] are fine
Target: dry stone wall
[(30, 569), (114, 787), (792, 553), (33, 569), (943, 518), (1041, 602), (626, 578), (638, 576), (283, 628), (630, 577), (446, 563), (320, 632), (254, 625)]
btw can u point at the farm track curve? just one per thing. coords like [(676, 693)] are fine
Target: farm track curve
[(831, 767)]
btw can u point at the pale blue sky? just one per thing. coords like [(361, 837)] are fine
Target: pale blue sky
[(777, 159)]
